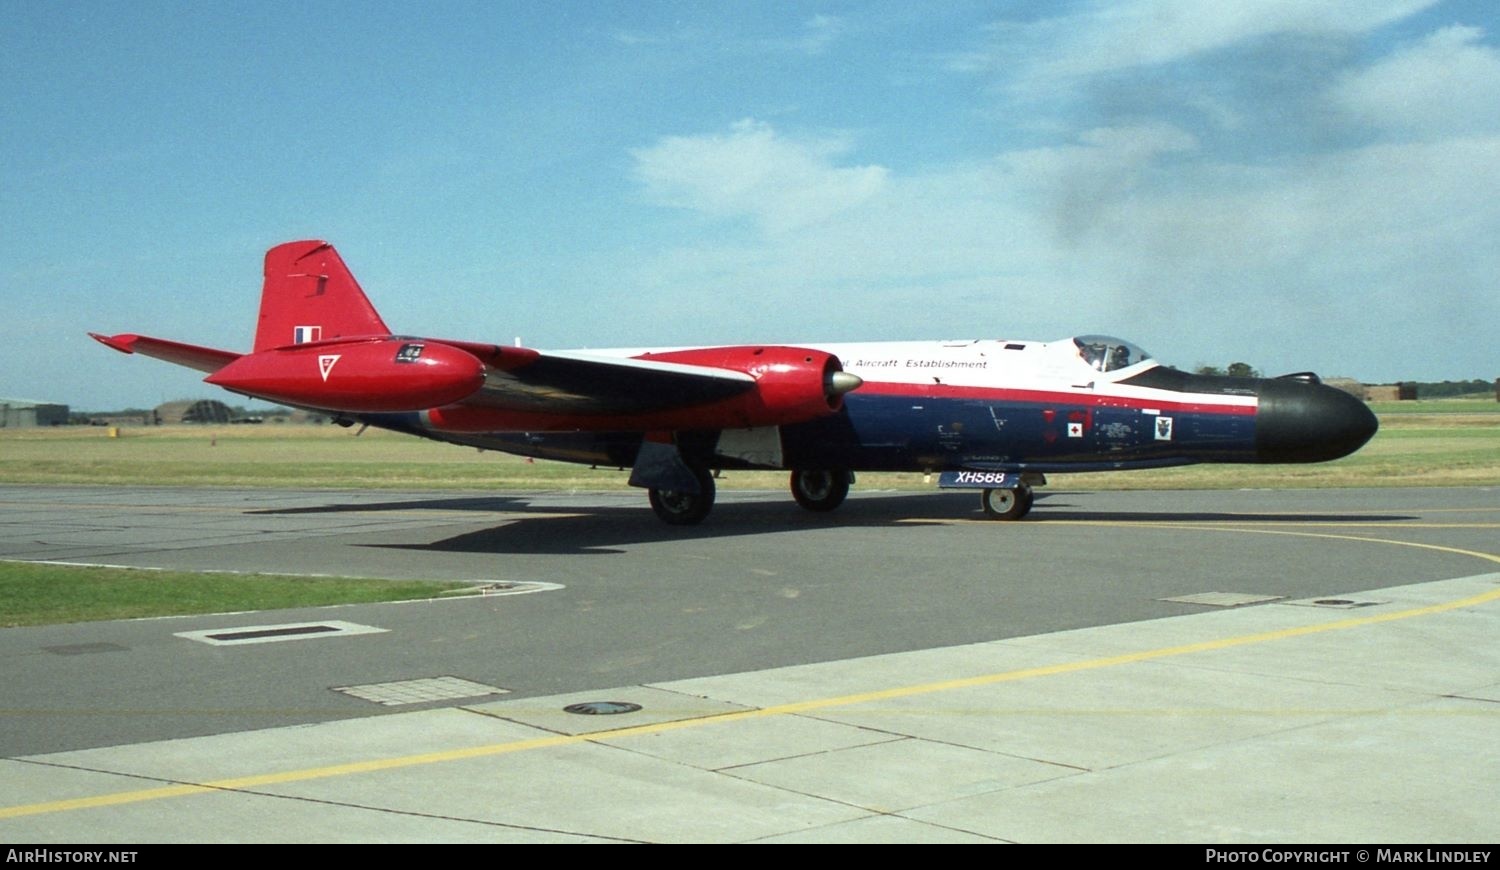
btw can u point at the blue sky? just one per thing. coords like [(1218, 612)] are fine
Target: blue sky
[(1297, 185)]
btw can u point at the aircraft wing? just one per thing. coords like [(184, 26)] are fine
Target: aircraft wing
[(522, 379), (471, 386), (204, 359)]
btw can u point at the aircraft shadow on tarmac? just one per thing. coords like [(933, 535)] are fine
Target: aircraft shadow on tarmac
[(484, 503), (562, 529), (601, 530)]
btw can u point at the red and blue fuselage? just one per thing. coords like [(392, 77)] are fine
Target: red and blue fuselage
[(991, 414), (1083, 404)]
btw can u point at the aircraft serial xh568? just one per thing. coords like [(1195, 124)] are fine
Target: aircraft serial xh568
[(992, 414)]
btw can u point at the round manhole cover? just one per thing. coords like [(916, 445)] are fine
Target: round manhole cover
[(602, 708)]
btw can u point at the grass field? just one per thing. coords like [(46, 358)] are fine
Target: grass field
[(1441, 443), (32, 594)]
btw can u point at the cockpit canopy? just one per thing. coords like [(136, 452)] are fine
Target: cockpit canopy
[(1106, 353)]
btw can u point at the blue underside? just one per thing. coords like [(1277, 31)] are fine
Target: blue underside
[(893, 433), (898, 433)]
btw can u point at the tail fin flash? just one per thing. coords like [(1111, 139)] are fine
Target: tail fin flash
[(310, 295)]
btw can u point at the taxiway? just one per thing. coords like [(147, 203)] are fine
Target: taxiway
[(1215, 666)]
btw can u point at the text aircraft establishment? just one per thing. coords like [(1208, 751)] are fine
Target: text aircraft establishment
[(991, 415)]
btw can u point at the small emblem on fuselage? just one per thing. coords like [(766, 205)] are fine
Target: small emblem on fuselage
[(325, 363), (409, 353), (1163, 428)]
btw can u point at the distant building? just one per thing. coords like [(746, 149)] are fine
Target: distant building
[(191, 411), (1351, 386), (17, 413), (1402, 392), (143, 418)]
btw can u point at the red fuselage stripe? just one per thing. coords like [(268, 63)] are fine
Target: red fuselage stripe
[(1189, 402)]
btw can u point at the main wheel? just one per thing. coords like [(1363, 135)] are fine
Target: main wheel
[(820, 490), (685, 508), (1006, 504)]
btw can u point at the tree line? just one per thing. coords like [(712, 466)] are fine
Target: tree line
[(1425, 389)]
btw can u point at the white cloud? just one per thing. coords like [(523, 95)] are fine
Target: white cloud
[(819, 32), (783, 184), (1140, 141), (1362, 254), (1106, 37), (1274, 231), (1447, 83)]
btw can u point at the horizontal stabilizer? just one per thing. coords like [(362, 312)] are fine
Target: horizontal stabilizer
[(204, 359)]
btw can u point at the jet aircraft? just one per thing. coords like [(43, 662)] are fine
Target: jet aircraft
[(995, 415)]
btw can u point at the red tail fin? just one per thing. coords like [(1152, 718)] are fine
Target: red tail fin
[(310, 295)]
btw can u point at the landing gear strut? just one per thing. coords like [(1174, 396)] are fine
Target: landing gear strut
[(1006, 504), (685, 508), (820, 490)]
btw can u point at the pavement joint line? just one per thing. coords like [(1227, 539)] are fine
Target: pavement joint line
[(1329, 524), (247, 784), (1217, 524)]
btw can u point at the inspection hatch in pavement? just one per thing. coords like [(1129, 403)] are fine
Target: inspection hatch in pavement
[(1222, 599), (245, 634), (1338, 603), (419, 691)]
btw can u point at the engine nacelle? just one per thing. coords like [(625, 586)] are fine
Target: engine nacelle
[(792, 384), (370, 375)]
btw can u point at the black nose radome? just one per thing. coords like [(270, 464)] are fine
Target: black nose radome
[(1302, 421)]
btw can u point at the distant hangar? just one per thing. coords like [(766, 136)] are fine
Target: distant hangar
[(172, 414), (19, 413), (28, 413), (194, 411)]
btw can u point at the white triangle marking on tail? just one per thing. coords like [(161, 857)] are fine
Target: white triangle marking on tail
[(325, 363)]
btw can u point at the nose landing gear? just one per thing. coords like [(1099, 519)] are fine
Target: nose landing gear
[(1006, 504)]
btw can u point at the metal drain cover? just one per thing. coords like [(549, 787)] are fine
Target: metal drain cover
[(1338, 603), (602, 708)]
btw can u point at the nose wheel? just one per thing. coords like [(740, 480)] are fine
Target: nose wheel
[(1006, 504)]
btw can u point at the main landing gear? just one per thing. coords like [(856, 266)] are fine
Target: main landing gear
[(1007, 504), (679, 508), (820, 490)]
